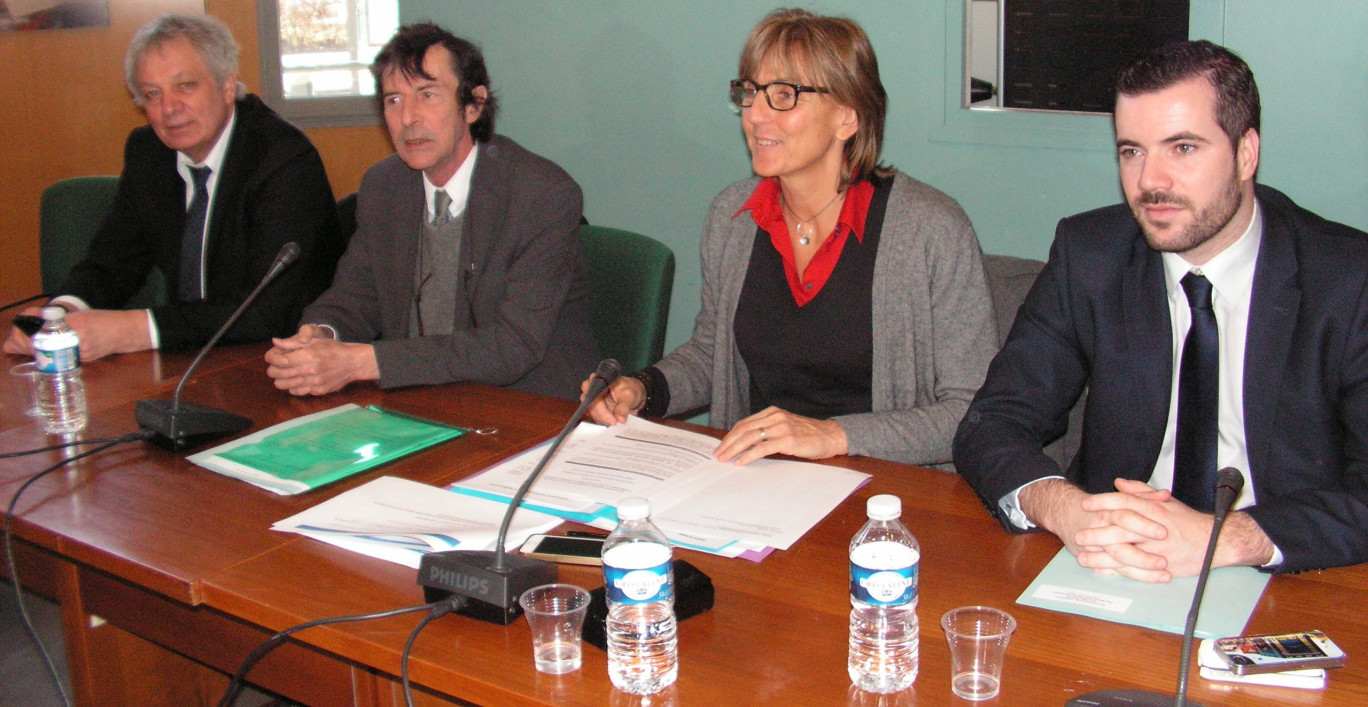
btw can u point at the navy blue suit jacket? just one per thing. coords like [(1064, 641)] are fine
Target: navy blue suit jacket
[(272, 190), (1098, 317)]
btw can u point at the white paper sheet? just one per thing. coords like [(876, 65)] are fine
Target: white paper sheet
[(398, 520), (695, 500)]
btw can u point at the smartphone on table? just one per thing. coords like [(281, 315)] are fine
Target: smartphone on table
[(1277, 652), (568, 549)]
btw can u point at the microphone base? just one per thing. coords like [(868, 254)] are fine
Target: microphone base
[(189, 426), (493, 595), (1124, 698)]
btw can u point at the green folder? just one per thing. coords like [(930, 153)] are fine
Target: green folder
[(319, 449)]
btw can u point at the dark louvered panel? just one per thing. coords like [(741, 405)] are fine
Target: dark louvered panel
[(1065, 54)]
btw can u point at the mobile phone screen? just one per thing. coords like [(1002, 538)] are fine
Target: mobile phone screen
[(1277, 652), (574, 547)]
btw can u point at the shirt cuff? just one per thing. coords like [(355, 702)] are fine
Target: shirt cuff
[(71, 303), (1010, 505), (153, 334)]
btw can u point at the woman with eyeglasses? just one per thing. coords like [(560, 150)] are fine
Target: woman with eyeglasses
[(844, 309)]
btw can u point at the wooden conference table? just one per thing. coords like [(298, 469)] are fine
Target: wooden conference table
[(168, 575)]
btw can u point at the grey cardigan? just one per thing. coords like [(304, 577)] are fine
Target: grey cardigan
[(933, 326)]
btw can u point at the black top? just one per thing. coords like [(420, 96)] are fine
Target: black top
[(815, 360)]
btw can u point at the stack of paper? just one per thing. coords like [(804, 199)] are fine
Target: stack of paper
[(399, 520), (698, 502)]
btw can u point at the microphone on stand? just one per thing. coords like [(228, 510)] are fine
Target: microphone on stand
[(180, 425), (1229, 483), (492, 581)]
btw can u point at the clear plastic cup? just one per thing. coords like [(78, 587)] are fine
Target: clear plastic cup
[(555, 612), (26, 376), (978, 637)]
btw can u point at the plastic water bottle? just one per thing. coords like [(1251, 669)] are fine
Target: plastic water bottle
[(884, 558), (638, 574), (61, 393)]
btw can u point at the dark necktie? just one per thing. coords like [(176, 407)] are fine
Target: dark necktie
[(1194, 467), (192, 239)]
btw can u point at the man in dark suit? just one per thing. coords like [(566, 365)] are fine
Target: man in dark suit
[(466, 263), (1214, 323), (213, 237)]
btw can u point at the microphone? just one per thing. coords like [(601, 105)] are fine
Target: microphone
[(492, 581), (1229, 483), (180, 425)]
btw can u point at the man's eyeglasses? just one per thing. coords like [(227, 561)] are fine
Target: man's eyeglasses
[(778, 94)]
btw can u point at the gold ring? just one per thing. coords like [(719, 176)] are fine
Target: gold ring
[(763, 436)]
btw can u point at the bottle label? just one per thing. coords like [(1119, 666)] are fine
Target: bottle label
[(638, 586), (58, 361), (638, 573), (884, 574)]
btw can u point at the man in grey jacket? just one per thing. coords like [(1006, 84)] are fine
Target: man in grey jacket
[(466, 263)]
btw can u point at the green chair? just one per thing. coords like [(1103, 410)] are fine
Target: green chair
[(70, 212), (630, 280)]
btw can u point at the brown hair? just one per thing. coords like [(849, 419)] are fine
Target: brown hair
[(405, 53), (1237, 96), (832, 52)]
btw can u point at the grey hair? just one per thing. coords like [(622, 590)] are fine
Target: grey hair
[(204, 32)]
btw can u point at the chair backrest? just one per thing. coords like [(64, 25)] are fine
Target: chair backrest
[(631, 277), (346, 218), (1009, 281), (70, 212)]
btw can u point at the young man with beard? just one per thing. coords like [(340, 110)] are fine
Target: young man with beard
[(1214, 323)]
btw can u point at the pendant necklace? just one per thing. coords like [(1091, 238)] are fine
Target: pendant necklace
[(805, 228)]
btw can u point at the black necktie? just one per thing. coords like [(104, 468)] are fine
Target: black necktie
[(192, 239), (1194, 467)]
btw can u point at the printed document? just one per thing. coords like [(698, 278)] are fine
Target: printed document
[(399, 520), (697, 501)]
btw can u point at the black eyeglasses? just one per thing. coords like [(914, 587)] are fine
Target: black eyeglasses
[(780, 95)]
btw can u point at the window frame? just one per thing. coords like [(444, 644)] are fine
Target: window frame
[(313, 112)]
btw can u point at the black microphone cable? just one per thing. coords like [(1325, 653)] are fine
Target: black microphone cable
[(26, 300), (13, 567), (64, 445), (437, 608), (442, 608)]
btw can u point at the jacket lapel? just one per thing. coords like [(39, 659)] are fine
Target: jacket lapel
[(1149, 335), (1273, 310), (485, 205), (407, 203)]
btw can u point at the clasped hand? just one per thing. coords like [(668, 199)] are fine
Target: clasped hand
[(1141, 532), (312, 363)]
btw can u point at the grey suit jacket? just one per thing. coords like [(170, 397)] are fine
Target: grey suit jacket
[(933, 325), (1098, 316), (522, 307)]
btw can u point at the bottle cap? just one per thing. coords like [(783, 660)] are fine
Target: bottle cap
[(54, 313), (633, 509), (883, 507)]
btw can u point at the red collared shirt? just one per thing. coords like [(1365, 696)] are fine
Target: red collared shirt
[(769, 215)]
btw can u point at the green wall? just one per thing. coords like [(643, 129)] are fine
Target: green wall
[(630, 97)]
